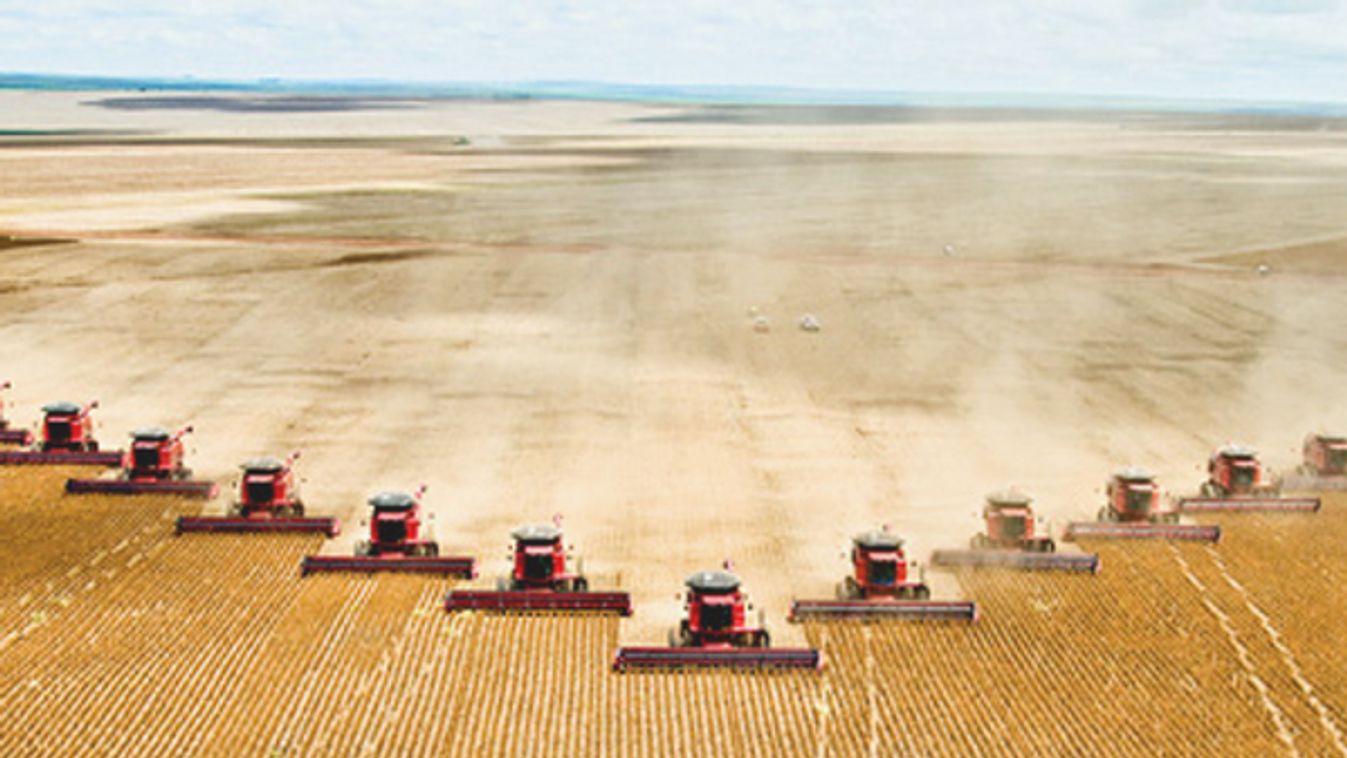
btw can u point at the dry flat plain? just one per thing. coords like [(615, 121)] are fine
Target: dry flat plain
[(550, 316)]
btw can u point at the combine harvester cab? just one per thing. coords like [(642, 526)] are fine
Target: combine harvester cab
[(1135, 510), (541, 580), (396, 543), (1015, 539), (1324, 464), (1236, 481), (716, 634), (67, 440), (8, 434), (882, 585), (268, 502), (152, 466)]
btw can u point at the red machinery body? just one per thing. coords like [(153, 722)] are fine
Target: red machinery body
[(152, 465), (541, 580), (1236, 481), (1323, 465), (1014, 539), (396, 543), (716, 633), (8, 434), (1135, 510), (268, 501), (67, 439), (883, 585)]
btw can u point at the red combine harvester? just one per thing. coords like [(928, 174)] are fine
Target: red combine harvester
[(152, 466), (395, 544), (268, 502), (1015, 539), (540, 581), (1236, 481), (67, 439), (883, 586), (9, 435), (1135, 510), (1324, 466), (716, 633)]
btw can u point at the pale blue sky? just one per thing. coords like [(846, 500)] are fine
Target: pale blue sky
[(1247, 49)]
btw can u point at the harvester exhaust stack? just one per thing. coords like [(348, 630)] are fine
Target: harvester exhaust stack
[(541, 580), (152, 466)]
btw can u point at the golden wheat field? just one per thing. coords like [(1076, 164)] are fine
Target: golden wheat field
[(124, 639)]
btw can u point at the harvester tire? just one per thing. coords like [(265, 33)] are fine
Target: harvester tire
[(299, 508), (362, 548), (763, 639), (922, 592), (1049, 546), (581, 584)]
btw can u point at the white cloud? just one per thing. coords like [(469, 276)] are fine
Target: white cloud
[(1286, 49)]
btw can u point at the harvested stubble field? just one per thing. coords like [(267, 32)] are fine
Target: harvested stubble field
[(553, 316), (152, 644)]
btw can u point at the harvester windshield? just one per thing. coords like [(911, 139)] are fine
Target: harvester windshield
[(717, 616), (145, 456), (1139, 500), (58, 430), (1242, 475), (1337, 456), (883, 571), (391, 530), (1013, 527), (538, 563), (260, 489)]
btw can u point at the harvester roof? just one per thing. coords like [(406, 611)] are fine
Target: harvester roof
[(392, 501), (537, 534), (1009, 499), (1134, 474), (1237, 451), (713, 582), (262, 465), (150, 434), (878, 540), (61, 407)]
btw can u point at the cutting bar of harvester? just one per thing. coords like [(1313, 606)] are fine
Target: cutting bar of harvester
[(1267, 504), (196, 524), (108, 458), (1018, 559), (15, 437), (1107, 530), (181, 488), (538, 600), (449, 565), (718, 657), (906, 610)]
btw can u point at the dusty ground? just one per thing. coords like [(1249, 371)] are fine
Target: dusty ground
[(553, 316)]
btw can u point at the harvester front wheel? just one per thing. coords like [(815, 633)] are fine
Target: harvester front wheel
[(762, 639), (978, 542), (921, 592), (1049, 546), (299, 508), (362, 548), (581, 584)]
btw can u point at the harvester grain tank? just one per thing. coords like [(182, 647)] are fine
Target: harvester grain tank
[(1136, 510), (541, 580), (1237, 481), (398, 541), (268, 501), (1015, 538), (153, 465), (716, 633), (883, 584), (67, 439), (8, 434)]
